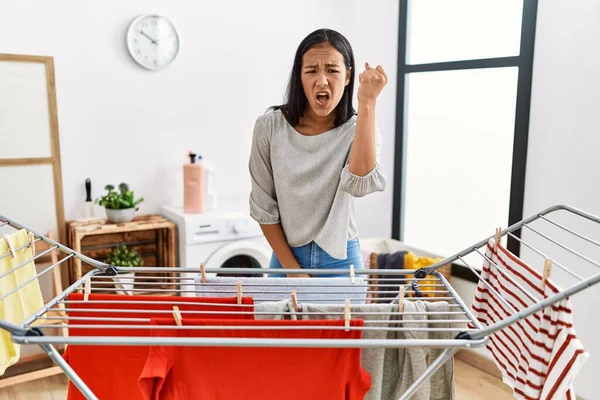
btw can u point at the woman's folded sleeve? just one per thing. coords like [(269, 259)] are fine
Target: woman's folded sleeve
[(263, 200), (374, 181)]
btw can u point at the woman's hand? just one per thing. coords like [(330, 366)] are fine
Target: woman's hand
[(371, 83), (298, 276)]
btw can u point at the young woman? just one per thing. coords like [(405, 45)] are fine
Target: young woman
[(313, 154)]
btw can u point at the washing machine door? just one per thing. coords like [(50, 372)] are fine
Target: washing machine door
[(240, 254)]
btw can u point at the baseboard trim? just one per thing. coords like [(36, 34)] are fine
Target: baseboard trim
[(478, 361)]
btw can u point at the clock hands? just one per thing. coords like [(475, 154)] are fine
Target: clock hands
[(152, 40)]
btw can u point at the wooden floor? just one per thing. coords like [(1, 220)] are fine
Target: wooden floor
[(470, 384)]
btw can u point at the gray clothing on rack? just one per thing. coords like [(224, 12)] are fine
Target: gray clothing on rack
[(331, 290), (303, 182), (393, 370), (403, 366), (274, 310)]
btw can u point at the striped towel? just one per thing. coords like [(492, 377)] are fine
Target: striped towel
[(539, 356)]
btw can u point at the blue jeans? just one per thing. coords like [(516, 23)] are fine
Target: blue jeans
[(311, 256)]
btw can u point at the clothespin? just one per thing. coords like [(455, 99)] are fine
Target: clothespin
[(347, 315), (203, 272), (32, 241), (239, 292), (401, 299), (352, 273), (11, 249), (295, 301), (87, 289), (497, 238), (177, 316), (547, 271)]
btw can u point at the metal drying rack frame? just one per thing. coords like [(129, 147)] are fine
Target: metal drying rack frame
[(374, 281)]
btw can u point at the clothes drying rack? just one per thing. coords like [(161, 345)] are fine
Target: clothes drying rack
[(409, 284)]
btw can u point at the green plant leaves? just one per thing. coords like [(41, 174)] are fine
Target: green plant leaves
[(124, 257), (122, 199)]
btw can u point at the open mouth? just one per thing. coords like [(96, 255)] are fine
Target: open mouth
[(322, 98)]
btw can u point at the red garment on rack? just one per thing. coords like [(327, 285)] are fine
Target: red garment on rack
[(112, 372), (539, 356), (261, 373)]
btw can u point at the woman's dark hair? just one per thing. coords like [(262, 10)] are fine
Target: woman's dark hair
[(296, 100)]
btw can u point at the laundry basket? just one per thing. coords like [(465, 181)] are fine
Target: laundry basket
[(371, 248)]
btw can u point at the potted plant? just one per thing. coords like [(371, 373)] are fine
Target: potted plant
[(119, 204), (124, 257)]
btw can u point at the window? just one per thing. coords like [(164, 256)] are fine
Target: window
[(463, 111)]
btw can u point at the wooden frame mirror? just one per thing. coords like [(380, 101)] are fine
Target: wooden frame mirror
[(30, 166)]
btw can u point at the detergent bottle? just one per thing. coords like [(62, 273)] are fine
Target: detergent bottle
[(193, 186), (210, 185)]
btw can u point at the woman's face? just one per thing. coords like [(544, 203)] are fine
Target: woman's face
[(324, 78)]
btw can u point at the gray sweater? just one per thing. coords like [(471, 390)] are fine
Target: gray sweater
[(303, 182)]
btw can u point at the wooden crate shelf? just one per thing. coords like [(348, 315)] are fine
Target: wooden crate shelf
[(152, 236)]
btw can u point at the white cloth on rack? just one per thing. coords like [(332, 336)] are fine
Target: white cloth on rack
[(22, 303), (393, 370), (539, 356), (330, 290)]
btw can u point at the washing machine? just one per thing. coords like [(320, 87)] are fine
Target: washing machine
[(219, 240)]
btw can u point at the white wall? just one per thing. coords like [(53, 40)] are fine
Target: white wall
[(562, 161), (119, 122)]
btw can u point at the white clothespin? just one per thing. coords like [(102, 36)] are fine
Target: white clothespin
[(401, 299), (497, 238), (32, 241), (11, 249), (203, 272), (547, 271), (347, 315), (352, 273), (87, 289), (295, 301), (177, 316), (239, 292)]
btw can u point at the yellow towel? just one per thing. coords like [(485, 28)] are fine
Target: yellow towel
[(22, 303), (413, 262)]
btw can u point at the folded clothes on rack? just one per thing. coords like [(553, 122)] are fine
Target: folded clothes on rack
[(266, 373), (16, 304), (330, 290), (112, 372), (539, 356)]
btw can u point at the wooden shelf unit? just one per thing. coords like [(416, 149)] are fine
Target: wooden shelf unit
[(152, 236)]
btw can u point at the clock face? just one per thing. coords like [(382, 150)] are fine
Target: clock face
[(152, 41)]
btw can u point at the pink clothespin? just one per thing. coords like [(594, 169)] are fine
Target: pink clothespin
[(32, 241), (239, 292), (401, 299), (547, 271), (11, 249), (203, 272), (87, 289), (177, 316), (497, 238), (295, 301), (347, 315)]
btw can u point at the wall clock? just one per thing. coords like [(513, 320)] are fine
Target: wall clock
[(152, 41)]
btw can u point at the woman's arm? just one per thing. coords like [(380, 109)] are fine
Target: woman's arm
[(276, 238), (363, 158), (263, 198)]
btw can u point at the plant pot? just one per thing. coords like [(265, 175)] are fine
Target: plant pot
[(126, 280), (120, 215)]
